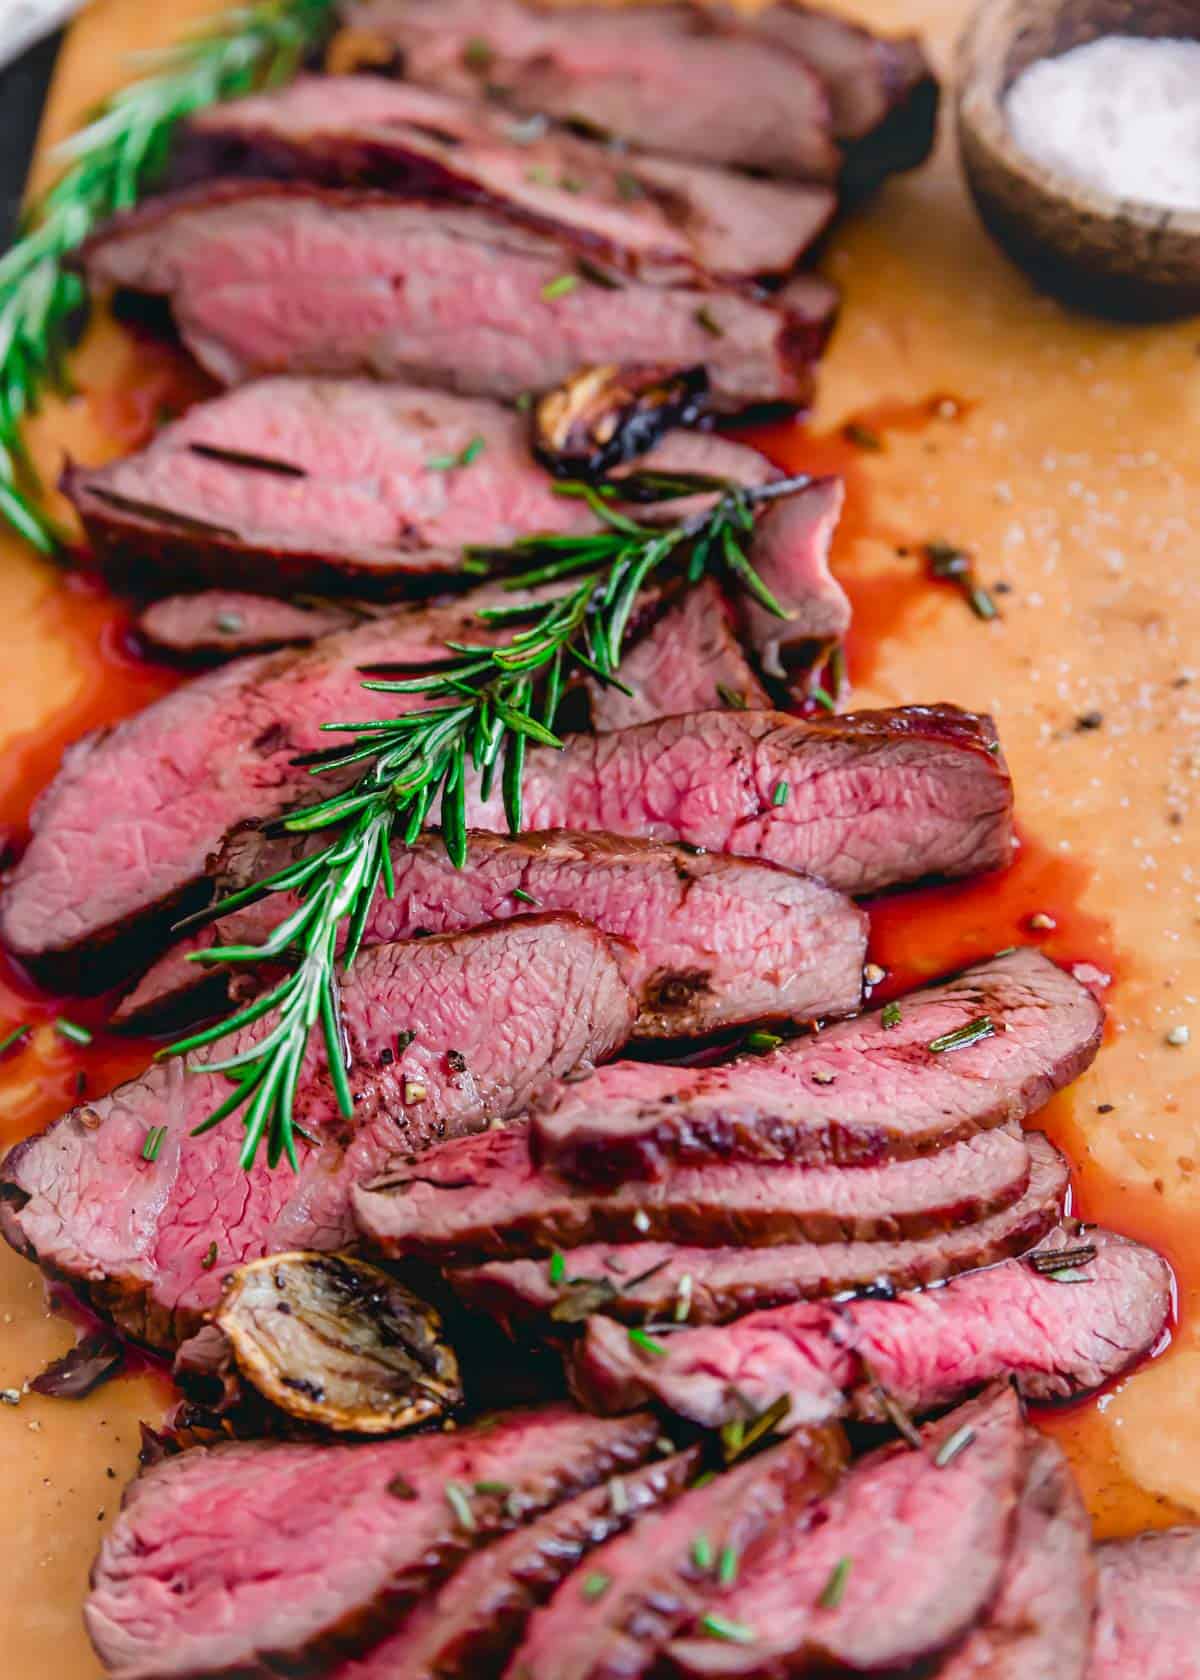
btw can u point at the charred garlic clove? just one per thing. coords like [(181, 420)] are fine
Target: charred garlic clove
[(339, 1343), (605, 416)]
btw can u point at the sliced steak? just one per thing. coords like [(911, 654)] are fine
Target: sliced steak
[(864, 801), (258, 1558), (610, 1620), (719, 940), (689, 661), (279, 277), (1054, 1336), (493, 1013), (1149, 1588), (791, 556), (862, 1092), (468, 1630), (122, 836), (655, 217), (673, 78), (333, 486), (663, 1282), (218, 624), (890, 1568), (1039, 1626), (484, 1198)]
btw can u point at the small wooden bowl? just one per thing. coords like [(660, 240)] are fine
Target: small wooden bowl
[(1104, 254)]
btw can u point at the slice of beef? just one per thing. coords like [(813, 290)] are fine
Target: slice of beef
[(653, 216), (336, 486), (122, 836), (663, 1282), (469, 1629), (719, 940), (864, 801), (218, 624), (610, 1620), (1148, 1590), (283, 277), (862, 1092), (890, 1569), (791, 556), (256, 1558), (689, 661), (672, 78), (1055, 1336), (483, 1198), (491, 1014), (883, 95), (1039, 1626)]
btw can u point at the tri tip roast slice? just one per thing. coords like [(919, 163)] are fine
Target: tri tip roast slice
[(266, 277), (894, 1565), (122, 836), (262, 1557), (484, 1198), (718, 940), (673, 1283), (217, 624), (469, 1628), (610, 1619), (444, 1035), (1039, 1625), (344, 486), (656, 217), (877, 1088), (1057, 1330), (1148, 1592)]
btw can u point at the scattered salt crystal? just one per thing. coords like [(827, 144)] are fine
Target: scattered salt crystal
[(1121, 114)]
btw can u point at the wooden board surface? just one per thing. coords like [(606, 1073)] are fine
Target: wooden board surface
[(1072, 469)]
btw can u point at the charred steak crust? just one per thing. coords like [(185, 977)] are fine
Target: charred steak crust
[(188, 1581), (482, 1198), (1055, 1338), (665, 1282), (444, 1034), (859, 1093)]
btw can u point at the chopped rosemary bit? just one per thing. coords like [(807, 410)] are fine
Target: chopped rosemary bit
[(478, 53), (823, 698), (72, 1030), (1061, 1263), (862, 437), (706, 319), (596, 1585), (628, 186), (640, 1339), (683, 1299), (963, 1037), (890, 1015), (953, 1445), (446, 463), (762, 1041), (731, 698), (153, 1143), (618, 1497), (524, 897), (834, 1589), (500, 1490), (210, 1257), (739, 1436), (780, 793), (560, 286), (473, 451), (15, 1037), (736, 1632), (230, 623), (703, 1479), (727, 1568), (954, 565), (982, 604), (459, 1502), (702, 1553), (558, 1266)]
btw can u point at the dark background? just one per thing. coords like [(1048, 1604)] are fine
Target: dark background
[(22, 93)]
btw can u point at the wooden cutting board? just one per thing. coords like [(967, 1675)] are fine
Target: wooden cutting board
[(1066, 455)]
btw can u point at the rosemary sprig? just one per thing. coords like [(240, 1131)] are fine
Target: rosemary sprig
[(474, 718), (108, 165)]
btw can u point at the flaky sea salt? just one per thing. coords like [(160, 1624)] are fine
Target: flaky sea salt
[(1121, 114)]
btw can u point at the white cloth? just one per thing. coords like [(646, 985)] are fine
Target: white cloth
[(22, 22)]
